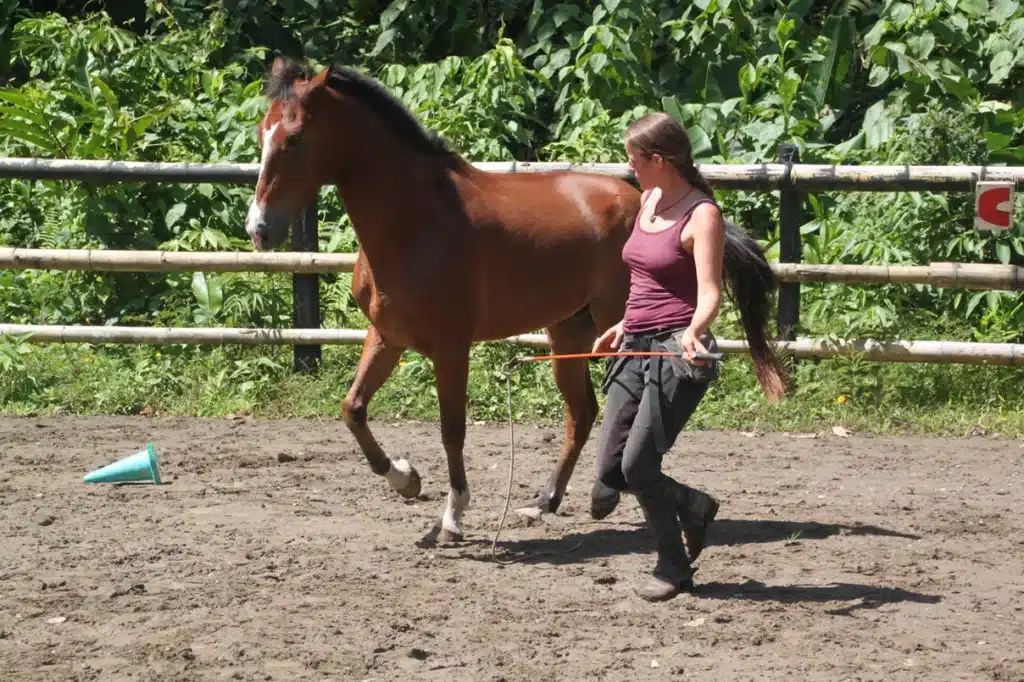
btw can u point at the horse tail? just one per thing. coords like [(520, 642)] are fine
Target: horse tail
[(751, 285)]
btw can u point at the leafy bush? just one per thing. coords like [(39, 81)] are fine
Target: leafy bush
[(857, 81)]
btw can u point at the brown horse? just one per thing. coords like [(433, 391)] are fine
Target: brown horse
[(451, 255)]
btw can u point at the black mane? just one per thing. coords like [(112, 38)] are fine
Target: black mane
[(373, 94), (279, 85), (279, 82)]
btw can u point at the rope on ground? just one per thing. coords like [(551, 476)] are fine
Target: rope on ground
[(511, 463)]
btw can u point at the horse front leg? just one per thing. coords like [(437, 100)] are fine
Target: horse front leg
[(451, 371), (376, 363)]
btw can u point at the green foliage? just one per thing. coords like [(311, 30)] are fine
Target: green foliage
[(848, 81)]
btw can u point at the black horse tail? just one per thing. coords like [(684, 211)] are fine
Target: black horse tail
[(751, 285)]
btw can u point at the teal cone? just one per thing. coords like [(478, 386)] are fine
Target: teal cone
[(142, 466)]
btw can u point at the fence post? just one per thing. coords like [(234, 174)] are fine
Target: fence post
[(790, 219), (306, 291)]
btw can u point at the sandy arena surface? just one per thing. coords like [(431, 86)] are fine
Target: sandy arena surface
[(274, 554)]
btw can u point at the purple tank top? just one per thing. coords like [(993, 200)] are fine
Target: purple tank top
[(663, 278)]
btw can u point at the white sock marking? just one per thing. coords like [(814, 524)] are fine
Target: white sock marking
[(452, 519), (399, 474)]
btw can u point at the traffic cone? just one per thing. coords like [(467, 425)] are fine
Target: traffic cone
[(142, 466)]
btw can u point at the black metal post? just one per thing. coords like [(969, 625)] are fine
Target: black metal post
[(790, 219), (306, 291)]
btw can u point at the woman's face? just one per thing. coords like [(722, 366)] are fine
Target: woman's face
[(647, 170)]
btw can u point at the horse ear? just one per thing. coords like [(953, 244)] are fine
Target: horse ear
[(276, 64)]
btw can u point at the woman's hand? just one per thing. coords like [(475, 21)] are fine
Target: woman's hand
[(691, 346), (609, 341)]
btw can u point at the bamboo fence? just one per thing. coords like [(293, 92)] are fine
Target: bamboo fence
[(790, 177), (762, 176), (104, 260), (943, 352), (956, 275)]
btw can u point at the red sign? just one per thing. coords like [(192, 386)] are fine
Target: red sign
[(993, 205)]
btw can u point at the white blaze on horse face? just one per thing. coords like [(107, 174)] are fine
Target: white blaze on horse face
[(256, 211), (451, 521)]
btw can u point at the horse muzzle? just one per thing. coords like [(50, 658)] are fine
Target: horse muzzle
[(267, 229)]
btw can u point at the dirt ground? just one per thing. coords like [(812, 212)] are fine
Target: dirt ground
[(272, 553)]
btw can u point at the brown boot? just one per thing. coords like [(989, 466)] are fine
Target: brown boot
[(696, 511), (672, 572)]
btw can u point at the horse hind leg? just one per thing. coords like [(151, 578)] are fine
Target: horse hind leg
[(377, 362), (575, 334)]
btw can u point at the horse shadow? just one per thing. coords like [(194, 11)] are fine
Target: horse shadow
[(633, 538)]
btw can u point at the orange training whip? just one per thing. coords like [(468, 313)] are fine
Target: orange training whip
[(567, 356)]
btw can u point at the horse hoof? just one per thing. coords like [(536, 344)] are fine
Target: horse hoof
[(546, 502), (438, 536), (448, 536), (411, 489)]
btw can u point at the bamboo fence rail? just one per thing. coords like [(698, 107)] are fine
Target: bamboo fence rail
[(725, 176), (110, 260), (943, 352), (957, 275)]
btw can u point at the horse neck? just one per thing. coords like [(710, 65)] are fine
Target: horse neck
[(387, 191)]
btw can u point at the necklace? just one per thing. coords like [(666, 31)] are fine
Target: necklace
[(654, 213)]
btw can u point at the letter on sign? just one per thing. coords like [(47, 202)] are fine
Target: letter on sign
[(993, 205)]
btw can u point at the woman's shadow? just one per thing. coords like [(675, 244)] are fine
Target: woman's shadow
[(633, 538)]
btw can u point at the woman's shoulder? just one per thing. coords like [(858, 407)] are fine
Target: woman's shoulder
[(706, 209), (705, 219)]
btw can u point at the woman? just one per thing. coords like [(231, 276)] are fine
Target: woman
[(675, 254)]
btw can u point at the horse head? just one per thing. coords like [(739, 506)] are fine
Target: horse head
[(293, 160), (334, 127)]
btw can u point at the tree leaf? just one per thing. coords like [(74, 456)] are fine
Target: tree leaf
[(973, 8), (822, 72), (200, 290), (789, 85), (28, 134), (1003, 253), (878, 127), (925, 45), (208, 292), (1000, 66), (993, 300), (174, 214), (973, 303), (1002, 10), (383, 40), (700, 141), (748, 79)]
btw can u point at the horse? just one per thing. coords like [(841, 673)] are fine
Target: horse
[(451, 255)]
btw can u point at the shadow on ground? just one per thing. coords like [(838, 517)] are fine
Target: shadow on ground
[(633, 539), (860, 596)]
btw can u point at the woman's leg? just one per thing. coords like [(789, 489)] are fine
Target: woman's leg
[(661, 497), (625, 387)]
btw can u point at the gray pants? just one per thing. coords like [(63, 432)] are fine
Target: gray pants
[(649, 401)]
